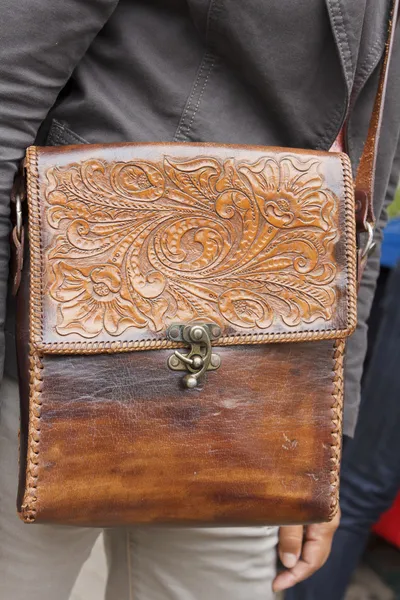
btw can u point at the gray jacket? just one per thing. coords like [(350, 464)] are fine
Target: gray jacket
[(268, 72)]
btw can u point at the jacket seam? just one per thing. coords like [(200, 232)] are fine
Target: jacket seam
[(200, 84), (346, 38), (337, 117), (342, 40), (210, 68), (193, 104), (373, 57), (367, 67)]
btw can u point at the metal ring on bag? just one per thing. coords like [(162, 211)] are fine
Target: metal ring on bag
[(370, 245), (18, 212)]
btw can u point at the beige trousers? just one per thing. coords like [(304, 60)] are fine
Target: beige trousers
[(42, 562)]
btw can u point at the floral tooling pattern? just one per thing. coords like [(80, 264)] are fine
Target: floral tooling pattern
[(144, 244)]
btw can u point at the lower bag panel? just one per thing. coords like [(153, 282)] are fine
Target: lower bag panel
[(116, 439)]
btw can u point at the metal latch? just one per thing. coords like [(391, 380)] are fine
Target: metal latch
[(200, 358)]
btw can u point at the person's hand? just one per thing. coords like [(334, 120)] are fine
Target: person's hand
[(303, 550)]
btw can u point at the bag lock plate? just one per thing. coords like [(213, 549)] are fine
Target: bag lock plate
[(200, 358)]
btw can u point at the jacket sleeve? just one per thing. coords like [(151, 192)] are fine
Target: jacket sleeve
[(357, 344), (41, 41)]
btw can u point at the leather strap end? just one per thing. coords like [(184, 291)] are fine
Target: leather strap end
[(17, 262), (364, 210)]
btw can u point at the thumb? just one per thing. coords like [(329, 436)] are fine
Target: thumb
[(290, 544)]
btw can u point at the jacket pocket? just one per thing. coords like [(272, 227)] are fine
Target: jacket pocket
[(61, 135)]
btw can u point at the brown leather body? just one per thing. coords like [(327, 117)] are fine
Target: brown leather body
[(121, 443), (127, 239)]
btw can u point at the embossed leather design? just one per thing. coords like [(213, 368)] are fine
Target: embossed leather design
[(136, 237), (126, 239)]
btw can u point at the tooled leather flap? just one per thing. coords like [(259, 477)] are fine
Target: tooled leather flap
[(127, 239)]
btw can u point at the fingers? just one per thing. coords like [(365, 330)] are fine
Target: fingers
[(290, 544), (316, 549)]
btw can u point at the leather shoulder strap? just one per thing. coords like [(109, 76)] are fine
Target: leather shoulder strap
[(365, 178)]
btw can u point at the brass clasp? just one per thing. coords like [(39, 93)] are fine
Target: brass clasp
[(200, 358)]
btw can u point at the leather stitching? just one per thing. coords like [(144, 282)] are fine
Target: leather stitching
[(236, 340), (351, 248), (36, 309), (337, 418), (29, 504)]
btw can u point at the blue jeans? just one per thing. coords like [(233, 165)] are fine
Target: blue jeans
[(370, 477)]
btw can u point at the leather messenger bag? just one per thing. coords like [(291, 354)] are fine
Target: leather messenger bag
[(182, 316)]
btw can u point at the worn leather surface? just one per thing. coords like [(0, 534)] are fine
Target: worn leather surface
[(136, 237), (122, 442)]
